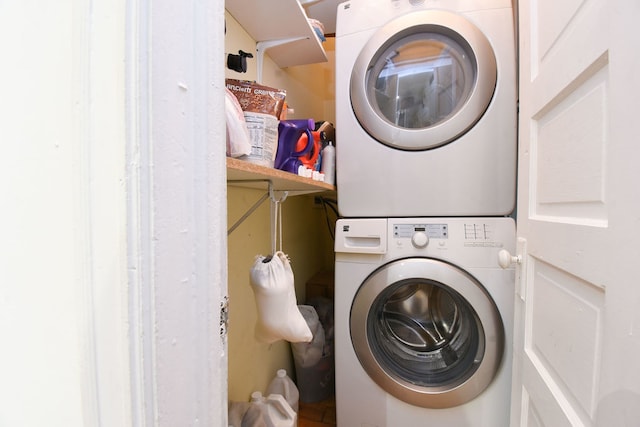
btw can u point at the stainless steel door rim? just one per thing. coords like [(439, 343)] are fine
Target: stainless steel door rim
[(451, 349), (461, 41)]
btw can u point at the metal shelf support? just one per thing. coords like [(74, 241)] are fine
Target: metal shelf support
[(270, 194), (262, 46)]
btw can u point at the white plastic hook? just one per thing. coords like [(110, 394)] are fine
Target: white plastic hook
[(272, 196)]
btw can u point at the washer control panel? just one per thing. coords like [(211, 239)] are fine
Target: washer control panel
[(420, 233), (431, 231)]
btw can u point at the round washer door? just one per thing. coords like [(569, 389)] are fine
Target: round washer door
[(427, 332), (423, 80)]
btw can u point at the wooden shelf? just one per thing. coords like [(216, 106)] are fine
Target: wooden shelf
[(267, 21), (244, 174)]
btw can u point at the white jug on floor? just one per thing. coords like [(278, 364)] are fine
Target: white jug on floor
[(284, 385), (277, 412)]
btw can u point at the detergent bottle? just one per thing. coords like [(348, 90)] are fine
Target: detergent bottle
[(289, 153), (328, 166)]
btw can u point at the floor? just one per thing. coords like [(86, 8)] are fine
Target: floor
[(320, 414)]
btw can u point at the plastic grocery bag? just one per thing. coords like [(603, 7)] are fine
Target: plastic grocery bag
[(278, 315), (307, 354), (238, 139)]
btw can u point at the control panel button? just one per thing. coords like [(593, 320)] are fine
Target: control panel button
[(420, 239)]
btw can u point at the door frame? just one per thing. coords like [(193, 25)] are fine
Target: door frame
[(176, 212)]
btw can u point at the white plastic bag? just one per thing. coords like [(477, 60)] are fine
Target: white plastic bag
[(238, 140), (278, 315), (308, 354)]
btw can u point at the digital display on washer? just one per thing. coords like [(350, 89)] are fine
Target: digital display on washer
[(434, 231)]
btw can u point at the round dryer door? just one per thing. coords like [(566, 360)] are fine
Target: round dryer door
[(427, 332), (422, 80)]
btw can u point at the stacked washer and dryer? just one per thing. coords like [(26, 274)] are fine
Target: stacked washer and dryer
[(426, 176)]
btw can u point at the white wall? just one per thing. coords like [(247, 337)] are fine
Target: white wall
[(63, 261), (113, 247)]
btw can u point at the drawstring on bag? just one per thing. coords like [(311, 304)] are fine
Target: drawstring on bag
[(276, 223)]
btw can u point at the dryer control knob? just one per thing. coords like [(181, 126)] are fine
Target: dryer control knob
[(420, 239)]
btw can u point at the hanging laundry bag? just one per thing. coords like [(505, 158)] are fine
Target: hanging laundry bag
[(274, 288), (278, 315)]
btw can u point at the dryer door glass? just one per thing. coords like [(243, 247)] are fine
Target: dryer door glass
[(423, 80)]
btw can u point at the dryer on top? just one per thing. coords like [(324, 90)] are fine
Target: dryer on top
[(425, 108)]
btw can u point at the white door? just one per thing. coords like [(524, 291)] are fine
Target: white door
[(577, 342)]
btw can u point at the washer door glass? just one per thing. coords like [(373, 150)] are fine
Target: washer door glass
[(427, 332), (423, 80)]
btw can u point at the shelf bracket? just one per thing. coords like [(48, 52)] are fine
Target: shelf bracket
[(270, 194), (262, 46)]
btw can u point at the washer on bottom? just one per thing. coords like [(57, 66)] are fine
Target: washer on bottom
[(423, 321)]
